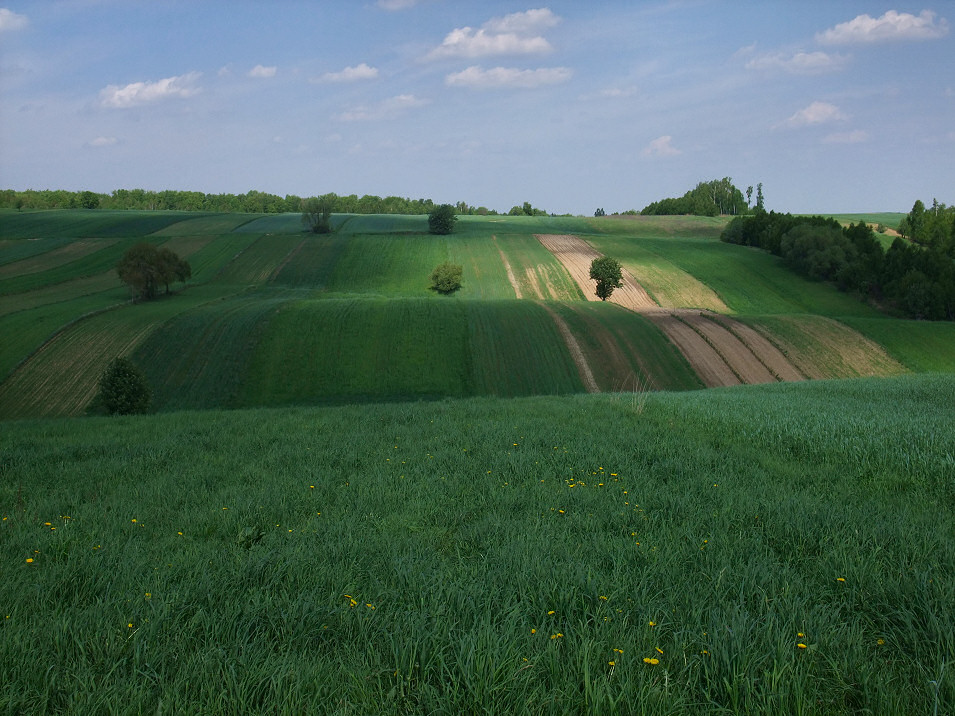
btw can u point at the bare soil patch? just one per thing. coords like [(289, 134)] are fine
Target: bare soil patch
[(764, 350), (576, 255), (702, 357)]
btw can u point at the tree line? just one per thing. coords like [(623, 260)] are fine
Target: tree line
[(712, 198), (252, 202), (915, 278)]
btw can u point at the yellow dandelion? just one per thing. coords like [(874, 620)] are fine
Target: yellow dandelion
[(840, 579), (800, 634), (801, 645), (130, 625), (533, 631), (650, 660), (880, 642), (659, 650), (551, 611), (653, 623), (619, 651), (29, 560), (612, 663), (133, 520), (603, 597)]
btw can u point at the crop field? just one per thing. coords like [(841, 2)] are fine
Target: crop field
[(517, 327), (787, 548)]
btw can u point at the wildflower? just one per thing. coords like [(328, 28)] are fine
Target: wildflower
[(130, 625), (29, 560), (551, 611), (133, 520), (840, 579), (149, 595), (603, 597), (650, 660), (659, 650), (880, 642), (619, 651), (533, 631), (800, 634), (801, 645), (653, 623), (612, 663)]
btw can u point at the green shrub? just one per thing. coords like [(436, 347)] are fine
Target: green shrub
[(123, 389), (446, 277)]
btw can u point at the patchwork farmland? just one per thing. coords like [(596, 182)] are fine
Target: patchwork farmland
[(274, 316), (360, 494)]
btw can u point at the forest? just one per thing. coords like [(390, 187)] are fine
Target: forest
[(914, 277)]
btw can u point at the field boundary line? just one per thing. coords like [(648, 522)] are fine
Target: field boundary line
[(576, 352), (729, 326), (507, 268), (706, 339)]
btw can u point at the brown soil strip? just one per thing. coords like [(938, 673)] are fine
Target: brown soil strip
[(767, 353), (576, 255), (702, 357), (510, 273), (736, 354), (583, 368)]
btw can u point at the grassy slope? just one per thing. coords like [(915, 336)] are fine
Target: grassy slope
[(519, 556)]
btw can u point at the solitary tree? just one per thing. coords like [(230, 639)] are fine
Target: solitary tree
[(123, 389), (144, 268), (446, 277), (441, 219), (317, 216), (608, 274)]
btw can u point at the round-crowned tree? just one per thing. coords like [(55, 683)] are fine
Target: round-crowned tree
[(446, 277), (441, 219), (608, 274), (123, 389)]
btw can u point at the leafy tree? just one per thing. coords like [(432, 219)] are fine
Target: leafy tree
[(600, 212), (441, 219), (608, 274), (446, 277), (317, 215), (760, 202), (89, 200), (144, 268), (123, 389)]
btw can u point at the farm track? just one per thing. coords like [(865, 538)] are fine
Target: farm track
[(721, 351), (583, 367)]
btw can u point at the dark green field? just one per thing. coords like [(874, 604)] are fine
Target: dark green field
[(359, 496)]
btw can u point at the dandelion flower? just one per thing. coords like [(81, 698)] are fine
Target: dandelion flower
[(800, 634), (612, 663), (880, 642), (650, 660), (653, 623), (659, 650), (801, 645), (533, 631), (551, 611), (29, 560), (840, 579), (130, 625)]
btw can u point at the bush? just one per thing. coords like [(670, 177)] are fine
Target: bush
[(446, 277), (441, 219), (123, 389)]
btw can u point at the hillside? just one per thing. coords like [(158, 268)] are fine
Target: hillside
[(781, 548), (274, 316)]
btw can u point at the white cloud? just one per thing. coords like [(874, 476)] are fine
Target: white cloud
[(661, 147), (262, 72), (386, 109), (476, 76), (512, 34), (619, 92), (800, 63), (856, 136), (396, 4), (10, 20), (102, 142), (139, 93), (890, 26), (816, 113), (351, 74)]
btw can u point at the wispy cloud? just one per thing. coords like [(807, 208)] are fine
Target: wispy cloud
[(10, 20), (514, 34), (102, 142), (856, 136), (890, 26), (263, 72), (139, 93), (478, 77), (386, 109), (350, 74), (799, 63), (396, 4), (661, 147), (816, 113)]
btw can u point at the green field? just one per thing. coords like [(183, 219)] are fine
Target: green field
[(359, 496), (771, 549)]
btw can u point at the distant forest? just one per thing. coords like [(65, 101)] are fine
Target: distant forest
[(252, 202), (915, 276), (711, 198)]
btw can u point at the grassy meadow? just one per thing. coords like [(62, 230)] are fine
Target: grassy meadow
[(771, 549), (358, 496)]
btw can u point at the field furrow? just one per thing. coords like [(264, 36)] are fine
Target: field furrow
[(576, 255), (583, 367), (736, 354), (764, 349), (704, 359)]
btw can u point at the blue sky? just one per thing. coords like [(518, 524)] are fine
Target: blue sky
[(835, 106)]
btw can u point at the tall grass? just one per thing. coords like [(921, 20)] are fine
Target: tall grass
[(542, 555)]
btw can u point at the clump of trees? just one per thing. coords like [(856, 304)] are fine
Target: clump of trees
[(441, 219), (317, 215), (123, 389), (144, 268), (710, 198), (608, 274), (915, 278), (446, 277)]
